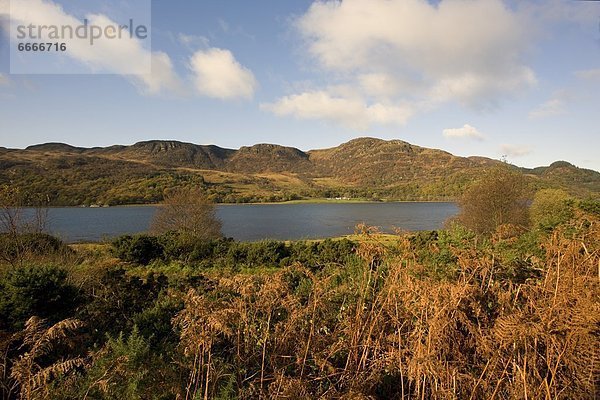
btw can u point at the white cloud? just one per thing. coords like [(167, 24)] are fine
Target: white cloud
[(452, 46), (552, 11), (163, 76), (379, 84), (217, 74), (589, 74), (350, 111), (107, 56), (515, 150), (549, 108), (556, 105), (478, 91), (192, 40), (467, 131), (413, 53)]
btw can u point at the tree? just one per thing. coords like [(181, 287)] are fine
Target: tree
[(18, 222), (16, 218), (500, 197), (189, 212), (551, 207)]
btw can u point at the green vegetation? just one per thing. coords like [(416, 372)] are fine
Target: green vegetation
[(551, 207), (35, 290), (227, 254), (510, 313)]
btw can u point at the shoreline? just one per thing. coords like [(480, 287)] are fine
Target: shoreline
[(302, 201), (386, 236)]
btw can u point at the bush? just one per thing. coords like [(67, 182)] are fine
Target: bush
[(17, 247), (550, 208), (590, 206), (139, 249), (435, 252), (114, 301), (227, 253), (154, 323), (516, 255), (42, 243), (184, 248), (131, 369), (33, 290), (267, 253), (318, 254)]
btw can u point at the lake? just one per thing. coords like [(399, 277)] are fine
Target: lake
[(249, 222)]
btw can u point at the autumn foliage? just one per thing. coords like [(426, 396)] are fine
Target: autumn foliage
[(444, 314)]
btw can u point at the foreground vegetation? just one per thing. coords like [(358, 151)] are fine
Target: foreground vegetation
[(445, 314)]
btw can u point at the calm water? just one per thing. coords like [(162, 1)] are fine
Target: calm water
[(255, 222)]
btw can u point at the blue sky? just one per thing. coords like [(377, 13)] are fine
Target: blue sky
[(492, 78)]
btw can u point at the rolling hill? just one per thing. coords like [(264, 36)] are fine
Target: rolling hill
[(361, 168)]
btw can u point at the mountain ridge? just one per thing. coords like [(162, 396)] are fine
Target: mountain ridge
[(60, 146), (363, 167)]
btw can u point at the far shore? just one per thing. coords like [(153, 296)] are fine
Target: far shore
[(301, 201)]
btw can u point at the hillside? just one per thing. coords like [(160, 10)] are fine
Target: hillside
[(361, 168), (368, 161), (171, 154)]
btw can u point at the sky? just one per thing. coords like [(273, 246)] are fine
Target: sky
[(513, 80)]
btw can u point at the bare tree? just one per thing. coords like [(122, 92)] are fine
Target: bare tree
[(500, 197), (189, 212), (20, 214)]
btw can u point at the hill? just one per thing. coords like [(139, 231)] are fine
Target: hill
[(361, 168), (171, 154), (566, 174), (369, 161)]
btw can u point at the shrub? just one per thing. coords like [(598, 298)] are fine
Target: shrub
[(139, 249), (188, 249), (550, 208), (516, 255), (319, 254), (154, 323), (127, 363), (435, 252), (114, 301), (18, 247), (33, 290), (590, 206), (267, 253)]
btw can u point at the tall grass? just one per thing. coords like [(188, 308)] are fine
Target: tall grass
[(433, 315), (381, 329)]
